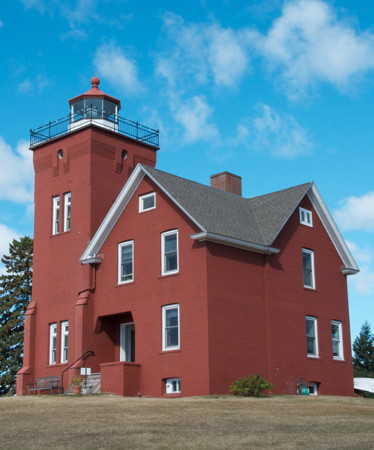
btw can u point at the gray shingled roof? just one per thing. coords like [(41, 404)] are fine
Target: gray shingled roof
[(257, 220)]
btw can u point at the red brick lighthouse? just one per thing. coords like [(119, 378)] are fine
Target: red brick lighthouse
[(81, 163), (162, 286)]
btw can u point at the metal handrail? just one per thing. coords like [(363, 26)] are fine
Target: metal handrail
[(94, 115), (81, 358)]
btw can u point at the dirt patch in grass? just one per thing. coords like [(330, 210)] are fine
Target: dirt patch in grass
[(110, 422)]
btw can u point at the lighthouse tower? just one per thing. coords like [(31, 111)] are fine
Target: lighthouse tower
[(81, 162)]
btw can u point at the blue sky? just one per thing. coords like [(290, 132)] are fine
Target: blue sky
[(279, 92)]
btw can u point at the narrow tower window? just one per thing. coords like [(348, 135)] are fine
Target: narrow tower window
[(64, 341), (67, 211), (52, 343), (56, 215)]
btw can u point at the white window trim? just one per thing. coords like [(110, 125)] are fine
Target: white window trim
[(56, 216), (315, 385), (308, 214), (341, 353), (52, 340), (169, 385), (64, 333), (163, 265), (315, 322), (120, 246), (311, 253), (67, 203), (141, 202), (164, 309)]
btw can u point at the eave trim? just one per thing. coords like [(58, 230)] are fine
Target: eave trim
[(232, 242)]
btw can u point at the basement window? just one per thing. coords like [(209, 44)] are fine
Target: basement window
[(173, 385), (147, 202), (313, 388)]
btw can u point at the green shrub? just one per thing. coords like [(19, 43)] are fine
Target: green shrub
[(368, 395), (250, 386)]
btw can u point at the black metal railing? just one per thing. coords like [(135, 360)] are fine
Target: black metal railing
[(96, 116), (81, 359)]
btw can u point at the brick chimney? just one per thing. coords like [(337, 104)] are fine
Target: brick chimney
[(227, 181)]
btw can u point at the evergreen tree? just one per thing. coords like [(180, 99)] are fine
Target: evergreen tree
[(15, 295), (363, 347)]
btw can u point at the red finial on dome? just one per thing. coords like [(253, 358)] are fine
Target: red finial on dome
[(95, 82)]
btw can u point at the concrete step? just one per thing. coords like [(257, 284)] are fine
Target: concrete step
[(92, 385)]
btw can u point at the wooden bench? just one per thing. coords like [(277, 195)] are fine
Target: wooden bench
[(45, 383)]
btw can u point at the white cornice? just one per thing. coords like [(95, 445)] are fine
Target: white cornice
[(350, 267)]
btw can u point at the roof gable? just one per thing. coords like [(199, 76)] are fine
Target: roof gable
[(223, 217), (273, 210)]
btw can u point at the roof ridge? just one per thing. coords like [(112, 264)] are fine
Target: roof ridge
[(309, 183), (220, 191)]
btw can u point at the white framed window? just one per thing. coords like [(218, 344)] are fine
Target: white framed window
[(337, 340), (311, 336), (173, 385), (147, 202), (56, 215), (306, 217), (308, 268), (67, 211), (313, 388), (52, 343), (126, 262), (169, 252), (170, 327), (64, 341)]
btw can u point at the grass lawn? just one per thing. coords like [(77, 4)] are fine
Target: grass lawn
[(104, 421)]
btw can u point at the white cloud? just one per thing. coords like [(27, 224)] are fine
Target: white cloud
[(40, 5), (202, 52), (6, 236), (35, 86), (308, 44), (362, 255), (78, 13), (280, 135), (193, 115), (111, 62), (16, 173), (363, 282), (356, 213)]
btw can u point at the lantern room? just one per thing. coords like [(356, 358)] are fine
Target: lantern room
[(94, 106)]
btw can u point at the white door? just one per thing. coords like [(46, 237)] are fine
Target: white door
[(127, 342)]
